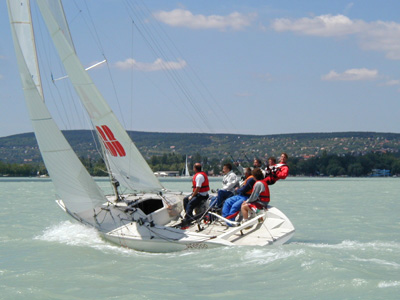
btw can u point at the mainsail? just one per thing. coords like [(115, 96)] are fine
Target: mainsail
[(124, 159), (72, 181)]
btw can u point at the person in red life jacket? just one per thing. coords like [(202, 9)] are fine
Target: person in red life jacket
[(259, 199), (200, 187), (277, 171), (232, 205)]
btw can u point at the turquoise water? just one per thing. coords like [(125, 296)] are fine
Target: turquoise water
[(346, 246)]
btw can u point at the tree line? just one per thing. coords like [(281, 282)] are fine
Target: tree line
[(323, 165), (345, 165)]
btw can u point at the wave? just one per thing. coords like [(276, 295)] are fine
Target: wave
[(377, 261), (356, 245), (386, 284)]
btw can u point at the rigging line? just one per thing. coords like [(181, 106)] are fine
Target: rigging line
[(63, 106), (179, 107), (69, 94), (115, 93), (172, 74), (164, 34), (131, 95), (79, 113), (96, 37), (39, 56), (194, 72), (92, 28), (176, 77), (168, 74), (92, 130), (266, 227), (47, 58)]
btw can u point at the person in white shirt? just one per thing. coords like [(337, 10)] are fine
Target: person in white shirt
[(229, 182)]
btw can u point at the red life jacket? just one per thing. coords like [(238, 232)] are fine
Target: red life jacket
[(204, 186), (275, 174), (244, 183), (264, 196)]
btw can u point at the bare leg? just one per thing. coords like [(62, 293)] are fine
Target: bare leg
[(245, 211)]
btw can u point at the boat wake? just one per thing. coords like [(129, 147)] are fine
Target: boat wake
[(388, 284), (356, 245), (75, 234), (267, 256)]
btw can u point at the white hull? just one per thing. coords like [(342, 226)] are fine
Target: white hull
[(155, 232)]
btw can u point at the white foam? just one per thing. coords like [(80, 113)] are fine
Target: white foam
[(378, 261), (76, 234), (359, 282), (386, 284), (307, 264), (260, 256), (356, 245)]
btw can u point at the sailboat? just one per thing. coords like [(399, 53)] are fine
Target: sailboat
[(144, 219), (186, 172)]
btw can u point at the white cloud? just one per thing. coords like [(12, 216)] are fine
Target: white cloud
[(185, 18), (391, 82), (157, 65), (382, 36), (325, 25), (1, 76), (377, 36), (351, 75)]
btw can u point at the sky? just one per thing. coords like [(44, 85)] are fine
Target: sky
[(240, 67)]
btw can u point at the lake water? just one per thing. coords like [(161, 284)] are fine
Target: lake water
[(346, 246)]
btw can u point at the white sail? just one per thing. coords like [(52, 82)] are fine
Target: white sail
[(125, 161), (21, 23), (187, 174), (72, 182)]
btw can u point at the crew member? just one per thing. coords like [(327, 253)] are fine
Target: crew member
[(277, 171), (232, 205), (259, 199), (200, 187), (229, 182)]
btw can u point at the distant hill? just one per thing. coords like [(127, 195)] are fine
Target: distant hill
[(22, 148)]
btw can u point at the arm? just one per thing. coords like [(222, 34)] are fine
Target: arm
[(283, 172), (239, 167), (247, 187)]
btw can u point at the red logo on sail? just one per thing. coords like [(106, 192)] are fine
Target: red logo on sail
[(110, 142)]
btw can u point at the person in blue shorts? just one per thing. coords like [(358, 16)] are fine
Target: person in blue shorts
[(232, 205)]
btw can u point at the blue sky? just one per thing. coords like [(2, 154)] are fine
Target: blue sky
[(250, 67)]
